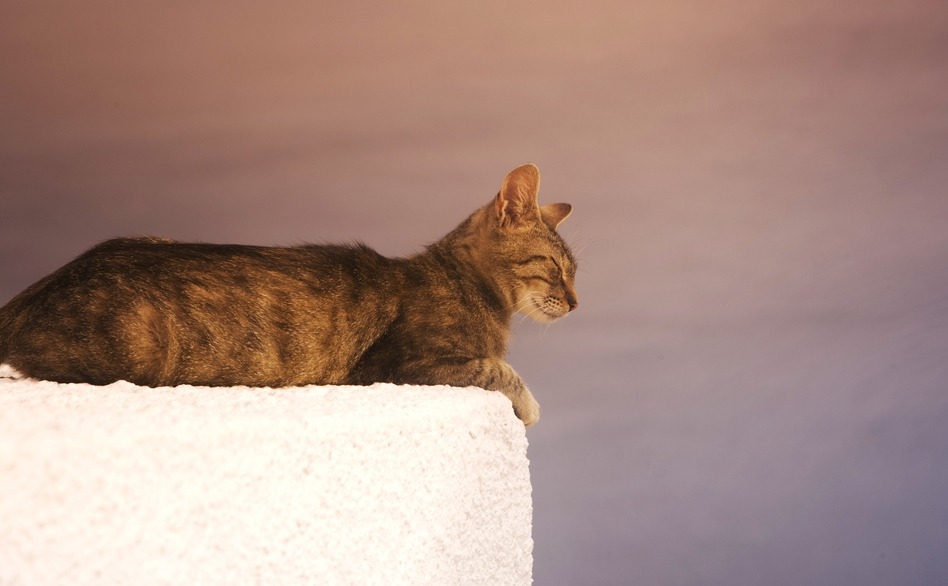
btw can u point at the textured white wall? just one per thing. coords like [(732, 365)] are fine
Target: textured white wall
[(319, 485)]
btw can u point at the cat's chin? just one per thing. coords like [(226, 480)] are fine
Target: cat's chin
[(544, 317), (537, 313)]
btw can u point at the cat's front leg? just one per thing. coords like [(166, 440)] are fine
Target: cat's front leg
[(525, 406), (494, 375)]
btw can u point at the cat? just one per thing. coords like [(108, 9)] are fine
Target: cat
[(157, 312)]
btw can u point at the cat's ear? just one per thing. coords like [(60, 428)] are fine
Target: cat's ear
[(516, 204), (553, 214)]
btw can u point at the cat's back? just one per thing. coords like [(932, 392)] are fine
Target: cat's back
[(168, 266), (157, 254), (166, 312)]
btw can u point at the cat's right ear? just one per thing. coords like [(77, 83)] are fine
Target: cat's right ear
[(516, 204), (553, 214)]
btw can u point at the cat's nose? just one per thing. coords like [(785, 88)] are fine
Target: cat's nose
[(573, 302)]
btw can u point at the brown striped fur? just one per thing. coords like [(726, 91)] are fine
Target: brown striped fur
[(157, 312)]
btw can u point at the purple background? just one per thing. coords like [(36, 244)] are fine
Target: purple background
[(754, 389)]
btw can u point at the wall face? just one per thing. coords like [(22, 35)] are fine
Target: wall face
[(330, 485)]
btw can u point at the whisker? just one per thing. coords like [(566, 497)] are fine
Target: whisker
[(516, 305), (534, 310)]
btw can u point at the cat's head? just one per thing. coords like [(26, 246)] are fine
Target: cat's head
[(538, 267)]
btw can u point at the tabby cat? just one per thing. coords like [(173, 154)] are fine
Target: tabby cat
[(157, 312)]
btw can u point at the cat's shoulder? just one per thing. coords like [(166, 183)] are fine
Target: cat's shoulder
[(351, 247), (129, 242), (347, 253), (123, 247)]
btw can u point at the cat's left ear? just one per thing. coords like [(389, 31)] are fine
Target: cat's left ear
[(516, 204), (553, 214)]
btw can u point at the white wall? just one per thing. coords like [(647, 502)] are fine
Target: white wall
[(318, 485)]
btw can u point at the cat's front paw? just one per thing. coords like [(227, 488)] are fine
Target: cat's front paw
[(527, 408)]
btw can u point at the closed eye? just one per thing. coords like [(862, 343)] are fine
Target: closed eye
[(532, 260), (541, 278), (545, 269)]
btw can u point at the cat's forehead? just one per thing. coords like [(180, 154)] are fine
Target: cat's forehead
[(562, 249), (570, 261)]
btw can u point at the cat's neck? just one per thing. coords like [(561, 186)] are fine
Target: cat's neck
[(463, 256)]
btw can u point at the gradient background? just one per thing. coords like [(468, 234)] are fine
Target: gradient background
[(754, 389)]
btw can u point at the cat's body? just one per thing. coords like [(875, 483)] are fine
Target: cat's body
[(160, 313)]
